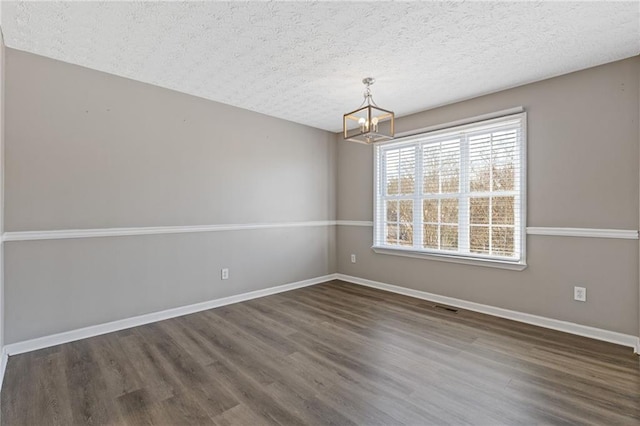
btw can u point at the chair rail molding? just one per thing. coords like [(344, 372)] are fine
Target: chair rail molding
[(552, 231), (61, 234)]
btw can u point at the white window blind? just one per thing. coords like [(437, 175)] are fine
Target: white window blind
[(454, 192)]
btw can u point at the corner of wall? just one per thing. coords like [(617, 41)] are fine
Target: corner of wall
[(333, 254)]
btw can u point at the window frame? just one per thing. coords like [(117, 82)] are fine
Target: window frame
[(440, 132)]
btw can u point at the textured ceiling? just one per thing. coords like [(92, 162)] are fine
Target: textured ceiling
[(304, 61)]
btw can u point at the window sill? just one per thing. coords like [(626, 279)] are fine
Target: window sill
[(491, 263)]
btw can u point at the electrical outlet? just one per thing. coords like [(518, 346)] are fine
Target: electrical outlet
[(353, 258), (224, 273), (580, 294)]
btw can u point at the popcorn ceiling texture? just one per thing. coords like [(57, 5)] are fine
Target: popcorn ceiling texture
[(304, 61)]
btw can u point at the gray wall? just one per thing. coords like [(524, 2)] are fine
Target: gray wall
[(2, 73), (582, 172), (86, 149)]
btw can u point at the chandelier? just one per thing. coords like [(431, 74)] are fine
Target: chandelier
[(369, 123)]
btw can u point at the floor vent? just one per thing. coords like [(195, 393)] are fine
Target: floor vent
[(447, 308)]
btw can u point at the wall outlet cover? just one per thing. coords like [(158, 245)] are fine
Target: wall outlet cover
[(580, 294)]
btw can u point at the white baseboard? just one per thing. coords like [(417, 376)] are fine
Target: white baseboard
[(637, 348), (96, 330), (4, 358), (554, 324)]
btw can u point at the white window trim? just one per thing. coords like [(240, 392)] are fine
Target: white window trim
[(517, 265), (502, 264)]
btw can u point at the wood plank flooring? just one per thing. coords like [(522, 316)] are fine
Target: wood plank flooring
[(334, 353)]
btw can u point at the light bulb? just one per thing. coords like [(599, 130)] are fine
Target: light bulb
[(363, 124), (374, 123)]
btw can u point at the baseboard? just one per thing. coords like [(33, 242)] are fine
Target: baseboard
[(565, 326), (96, 330), (4, 358), (636, 350)]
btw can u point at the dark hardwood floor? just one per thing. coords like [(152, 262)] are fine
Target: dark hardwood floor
[(335, 353)]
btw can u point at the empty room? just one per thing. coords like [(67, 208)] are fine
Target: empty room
[(309, 213)]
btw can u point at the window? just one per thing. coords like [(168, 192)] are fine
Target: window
[(456, 194)]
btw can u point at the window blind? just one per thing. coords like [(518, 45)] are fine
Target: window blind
[(457, 191)]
